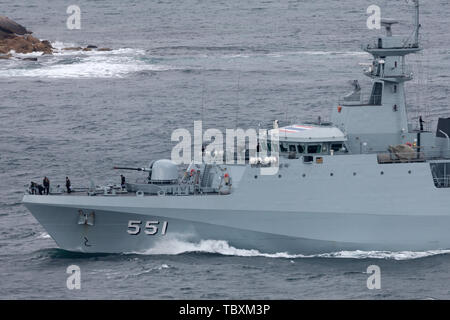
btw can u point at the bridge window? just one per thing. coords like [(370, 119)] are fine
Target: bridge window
[(292, 148), (314, 148), (336, 147), (300, 148), (283, 147)]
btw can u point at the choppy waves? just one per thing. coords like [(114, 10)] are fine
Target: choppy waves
[(118, 63), (176, 246), (80, 64)]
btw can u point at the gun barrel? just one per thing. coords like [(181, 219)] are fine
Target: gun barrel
[(135, 169), (128, 168)]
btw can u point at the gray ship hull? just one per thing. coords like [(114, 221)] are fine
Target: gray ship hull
[(398, 210), (359, 198)]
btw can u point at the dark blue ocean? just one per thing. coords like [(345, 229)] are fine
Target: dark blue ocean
[(230, 63)]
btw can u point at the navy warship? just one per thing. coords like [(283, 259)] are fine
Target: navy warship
[(366, 180)]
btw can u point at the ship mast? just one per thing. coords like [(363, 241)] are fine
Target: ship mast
[(382, 119), (416, 23)]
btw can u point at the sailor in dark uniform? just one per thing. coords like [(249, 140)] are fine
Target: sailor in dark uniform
[(46, 183), (68, 185), (33, 187), (40, 188), (421, 122), (122, 181)]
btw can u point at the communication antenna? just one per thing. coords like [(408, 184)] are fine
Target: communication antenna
[(237, 103), (285, 116), (416, 20), (428, 81), (286, 111), (203, 95)]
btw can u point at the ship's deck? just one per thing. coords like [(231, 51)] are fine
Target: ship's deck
[(85, 192)]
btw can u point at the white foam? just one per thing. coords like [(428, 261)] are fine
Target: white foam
[(150, 270), (109, 64), (25, 55), (177, 246), (86, 64), (394, 255), (92, 66), (44, 235)]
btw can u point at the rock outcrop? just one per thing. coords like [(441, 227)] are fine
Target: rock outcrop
[(15, 37)]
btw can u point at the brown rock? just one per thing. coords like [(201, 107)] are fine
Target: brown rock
[(4, 49), (5, 34), (32, 39), (19, 44), (25, 44), (43, 46), (15, 37)]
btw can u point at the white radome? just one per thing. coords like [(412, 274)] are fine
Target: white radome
[(164, 170)]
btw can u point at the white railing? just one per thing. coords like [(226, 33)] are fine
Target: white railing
[(363, 100), (415, 156)]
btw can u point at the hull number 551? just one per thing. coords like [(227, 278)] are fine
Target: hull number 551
[(150, 228)]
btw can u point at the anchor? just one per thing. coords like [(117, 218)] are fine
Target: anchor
[(86, 240)]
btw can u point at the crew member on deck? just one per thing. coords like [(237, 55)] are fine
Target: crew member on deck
[(40, 188), (68, 185), (421, 122), (122, 181), (33, 187), (46, 183)]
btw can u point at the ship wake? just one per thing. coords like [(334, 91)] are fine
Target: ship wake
[(178, 246)]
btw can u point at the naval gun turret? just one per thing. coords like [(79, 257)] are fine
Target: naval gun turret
[(166, 177), (161, 171)]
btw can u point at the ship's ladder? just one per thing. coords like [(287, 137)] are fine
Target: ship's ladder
[(206, 176)]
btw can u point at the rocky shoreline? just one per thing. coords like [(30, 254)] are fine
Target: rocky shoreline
[(15, 38)]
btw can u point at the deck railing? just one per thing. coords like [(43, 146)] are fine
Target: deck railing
[(415, 156), (375, 100)]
